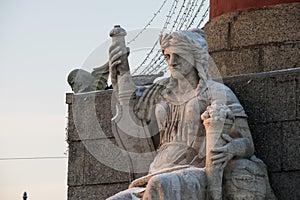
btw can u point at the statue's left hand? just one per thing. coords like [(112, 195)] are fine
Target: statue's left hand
[(224, 153)]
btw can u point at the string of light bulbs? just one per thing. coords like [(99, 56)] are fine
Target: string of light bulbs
[(149, 23), (165, 26), (185, 17)]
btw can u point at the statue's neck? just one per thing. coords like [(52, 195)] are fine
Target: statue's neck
[(184, 90), (187, 83)]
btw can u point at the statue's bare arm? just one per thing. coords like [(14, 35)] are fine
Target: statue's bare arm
[(238, 141), (241, 147)]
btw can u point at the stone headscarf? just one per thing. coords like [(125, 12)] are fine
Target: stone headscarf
[(189, 42), (182, 43)]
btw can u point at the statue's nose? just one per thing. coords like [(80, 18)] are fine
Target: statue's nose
[(173, 60)]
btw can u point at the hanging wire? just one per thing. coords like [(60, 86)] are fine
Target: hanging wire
[(156, 68), (203, 17), (158, 56), (189, 15), (165, 67), (196, 14), (185, 18), (169, 17), (181, 21), (167, 22), (33, 158), (159, 67), (149, 23), (179, 13), (144, 61)]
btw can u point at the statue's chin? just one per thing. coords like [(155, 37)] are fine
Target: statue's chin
[(177, 75)]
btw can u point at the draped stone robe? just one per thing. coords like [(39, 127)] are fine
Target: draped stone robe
[(180, 157)]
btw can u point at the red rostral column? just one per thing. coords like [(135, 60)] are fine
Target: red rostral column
[(219, 7)]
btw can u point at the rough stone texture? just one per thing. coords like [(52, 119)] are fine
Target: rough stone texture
[(76, 164), (291, 139), (93, 192), (271, 101), (217, 33), (255, 40), (96, 172), (267, 97), (279, 23), (95, 112), (285, 99), (286, 54), (248, 59), (218, 7), (71, 129), (105, 111), (286, 185), (88, 178), (218, 63), (268, 144)]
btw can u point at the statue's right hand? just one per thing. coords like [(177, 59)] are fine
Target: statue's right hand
[(118, 63)]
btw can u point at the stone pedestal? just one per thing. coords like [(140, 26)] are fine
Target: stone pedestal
[(271, 100)]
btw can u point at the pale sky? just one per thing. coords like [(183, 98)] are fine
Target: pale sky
[(40, 43)]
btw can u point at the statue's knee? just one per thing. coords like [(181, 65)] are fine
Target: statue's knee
[(155, 180), (244, 179)]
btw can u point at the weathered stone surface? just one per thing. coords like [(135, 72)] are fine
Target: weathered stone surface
[(93, 192), (277, 56), (218, 32), (219, 60), (298, 99), (100, 158), (281, 93), (69, 98), (104, 109), (279, 23), (243, 60), (268, 144), (91, 115), (256, 40), (76, 164), (251, 91), (268, 97), (286, 185), (270, 100), (257, 59), (291, 139), (239, 61), (100, 107), (72, 134)]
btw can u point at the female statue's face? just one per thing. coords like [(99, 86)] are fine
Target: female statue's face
[(180, 65)]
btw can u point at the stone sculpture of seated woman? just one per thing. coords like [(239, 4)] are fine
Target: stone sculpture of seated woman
[(206, 149)]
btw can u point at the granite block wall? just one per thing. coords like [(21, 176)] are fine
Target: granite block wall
[(88, 178), (256, 40), (271, 100)]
